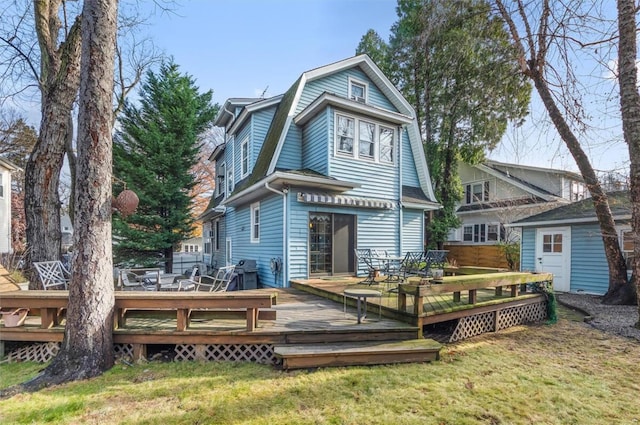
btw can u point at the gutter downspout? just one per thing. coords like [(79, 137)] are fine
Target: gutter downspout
[(400, 215), (285, 231)]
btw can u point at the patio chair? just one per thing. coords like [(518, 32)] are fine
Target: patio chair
[(217, 283), (188, 284), (372, 268), (433, 259), (128, 280), (53, 274), (409, 266)]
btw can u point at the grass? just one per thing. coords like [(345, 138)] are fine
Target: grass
[(567, 373)]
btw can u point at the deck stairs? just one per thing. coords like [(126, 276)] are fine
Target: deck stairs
[(301, 356)]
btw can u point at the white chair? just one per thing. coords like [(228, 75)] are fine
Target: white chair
[(128, 280), (218, 283), (182, 284), (53, 274)]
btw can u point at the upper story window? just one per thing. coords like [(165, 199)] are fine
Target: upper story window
[(220, 181), (244, 157), (578, 190), (364, 139), (229, 181), (255, 222), (477, 192), (358, 91)]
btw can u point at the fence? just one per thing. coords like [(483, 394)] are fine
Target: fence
[(479, 256)]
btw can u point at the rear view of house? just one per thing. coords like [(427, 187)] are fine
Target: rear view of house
[(304, 178)]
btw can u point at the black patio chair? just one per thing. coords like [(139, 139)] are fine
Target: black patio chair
[(433, 259), (371, 267)]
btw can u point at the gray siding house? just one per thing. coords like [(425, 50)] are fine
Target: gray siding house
[(303, 178), (567, 242)]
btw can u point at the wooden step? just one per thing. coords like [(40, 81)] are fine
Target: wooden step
[(356, 353)]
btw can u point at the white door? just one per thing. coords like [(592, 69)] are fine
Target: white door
[(553, 255)]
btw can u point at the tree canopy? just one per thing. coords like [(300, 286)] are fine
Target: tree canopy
[(454, 62), (153, 154)]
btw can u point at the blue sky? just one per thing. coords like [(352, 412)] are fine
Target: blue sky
[(239, 48)]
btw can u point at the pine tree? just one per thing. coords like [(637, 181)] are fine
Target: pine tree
[(153, 153)]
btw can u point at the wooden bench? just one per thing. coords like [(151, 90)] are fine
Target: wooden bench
[(51, 303), (419, 288)]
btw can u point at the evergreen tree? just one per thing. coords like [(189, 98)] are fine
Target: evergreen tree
[(453, 62), (153, 153)]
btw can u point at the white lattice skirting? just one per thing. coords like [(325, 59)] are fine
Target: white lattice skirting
[(40, 352), (257, 353), (500, 319)]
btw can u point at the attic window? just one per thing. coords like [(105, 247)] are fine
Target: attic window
[(358, 91)]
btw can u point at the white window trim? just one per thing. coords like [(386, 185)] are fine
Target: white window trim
[(486, 233), (255, 206), (244, 149), (365, 86), (1, 185), (229, 181), (228, 257), (215, 237), (221, 188), (472, 199), (356, 139)]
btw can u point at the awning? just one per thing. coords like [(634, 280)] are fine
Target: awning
[(345, 201)]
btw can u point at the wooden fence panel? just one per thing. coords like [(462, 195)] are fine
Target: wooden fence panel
[(479, 256)]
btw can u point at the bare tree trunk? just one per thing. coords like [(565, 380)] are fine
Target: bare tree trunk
[(87, 348), (59, 79), (534, 67), (617, 266), (71, 160), (630, 108)]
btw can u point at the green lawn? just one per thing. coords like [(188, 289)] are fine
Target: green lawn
[(566, 373)]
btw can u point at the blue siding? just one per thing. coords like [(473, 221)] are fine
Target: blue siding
[(376, 229), (528, 250), (291, 155), (409, 171), (315, 144), (270, 244), (589, 268), (386, 183), (412, 230), (338, 84)]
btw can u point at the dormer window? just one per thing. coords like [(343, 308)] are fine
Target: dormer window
[(358, 91), (244, 160), (220, 183), (477, 192)]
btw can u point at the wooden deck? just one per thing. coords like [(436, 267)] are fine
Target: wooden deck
[(311, 312)]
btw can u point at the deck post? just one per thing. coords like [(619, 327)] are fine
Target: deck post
[(514, 290), (456, 297), (473, 296), (139, 352)]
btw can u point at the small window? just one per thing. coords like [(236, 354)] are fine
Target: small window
[(492, 232), (345, 134), (255, 222), (366, 142), (229, 182), (1, 187), (357, 91), (386, 144), (228, 257), (220, 182), (627, 248), (552, 243), (245, 157), (468, 234), (477, 192), (216, 237)]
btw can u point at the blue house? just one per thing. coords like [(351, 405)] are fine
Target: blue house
[(303, 178), (567, 241)]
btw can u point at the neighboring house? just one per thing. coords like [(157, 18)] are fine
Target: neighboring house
[(193, 245), (495, 194), (66, 228), (567, 242), (304, 178), (6, 168)]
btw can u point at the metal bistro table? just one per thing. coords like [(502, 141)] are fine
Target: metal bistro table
[(361, 296)]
